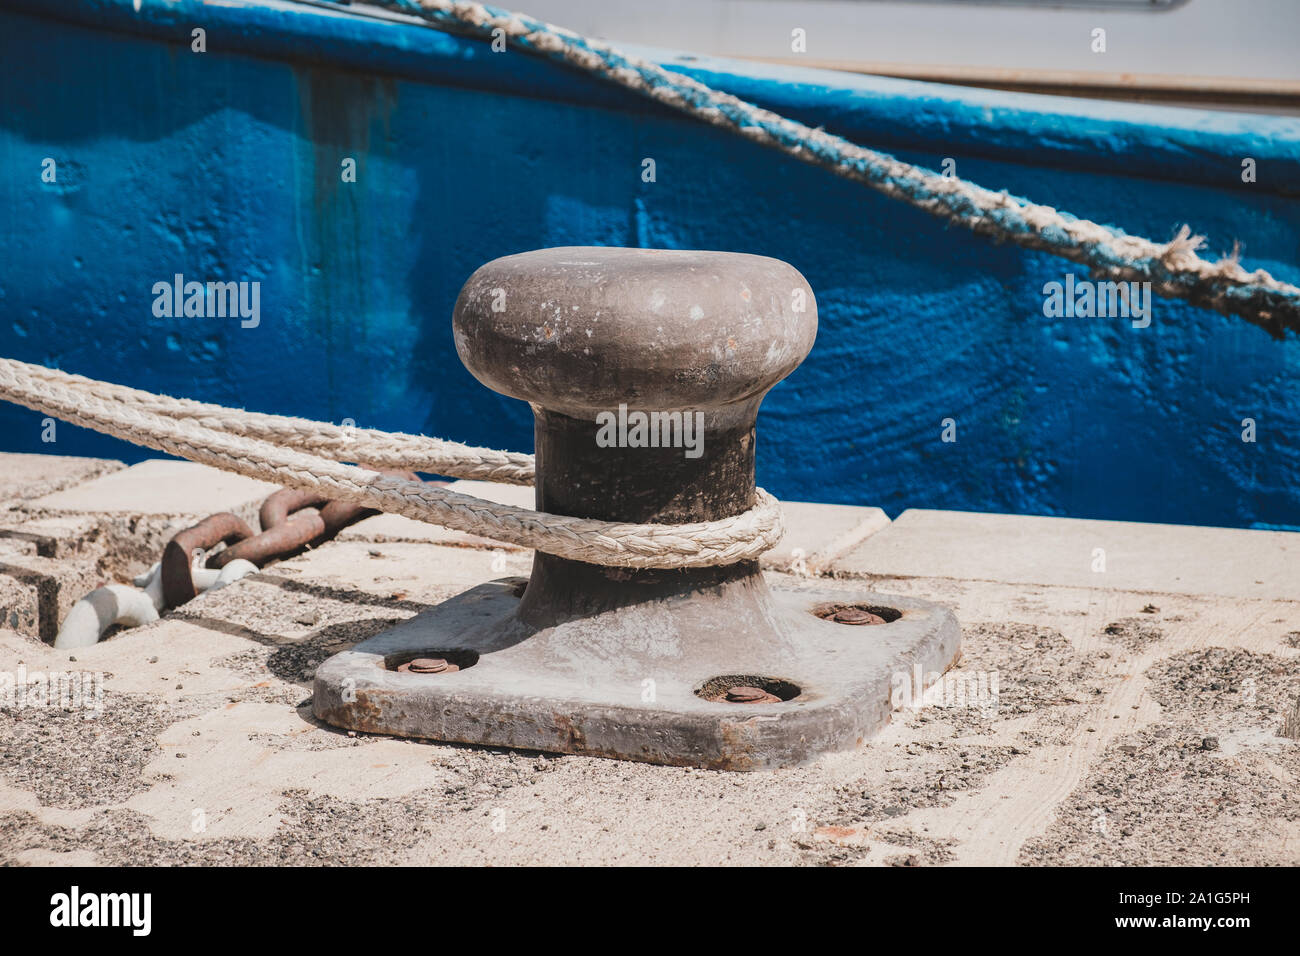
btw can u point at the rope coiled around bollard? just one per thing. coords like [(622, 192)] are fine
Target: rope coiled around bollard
[(216, 438)]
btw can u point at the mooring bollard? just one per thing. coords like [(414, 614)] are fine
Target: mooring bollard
[(645, 370)]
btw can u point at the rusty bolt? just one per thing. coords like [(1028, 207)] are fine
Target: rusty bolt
[(855, 615), (751, 695), (428, 665)]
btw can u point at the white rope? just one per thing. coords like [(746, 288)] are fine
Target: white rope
[(1173, 268), (381, 449), (93, 404)]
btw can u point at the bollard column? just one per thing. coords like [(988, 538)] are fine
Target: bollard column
[(645, 370)]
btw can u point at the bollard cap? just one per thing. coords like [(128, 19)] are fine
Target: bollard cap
[(582, 329)]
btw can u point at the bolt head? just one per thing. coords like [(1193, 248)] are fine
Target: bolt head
[(751, 695), (856, 615), (427, 665)]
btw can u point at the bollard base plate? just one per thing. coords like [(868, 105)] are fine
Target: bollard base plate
[(636, 683)]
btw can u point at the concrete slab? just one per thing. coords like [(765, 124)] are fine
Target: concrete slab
[(421, 572), (205, 751), (39, 591), (30, 476), (55, 536), (819, 534), (161, 487), (19, 612), (1070, 552)]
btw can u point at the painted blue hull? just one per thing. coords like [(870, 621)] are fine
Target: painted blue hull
[(225, 165)]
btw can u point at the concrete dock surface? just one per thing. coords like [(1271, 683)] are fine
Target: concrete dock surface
[(1126, 694)]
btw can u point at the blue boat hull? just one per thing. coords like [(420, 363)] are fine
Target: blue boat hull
[(226, 165)]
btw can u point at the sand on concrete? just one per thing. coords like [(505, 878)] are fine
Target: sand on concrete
[(1132, 723)]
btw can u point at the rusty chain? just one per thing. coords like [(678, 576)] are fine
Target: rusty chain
[(292, 521)]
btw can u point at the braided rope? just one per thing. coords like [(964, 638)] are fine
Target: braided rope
[(728, 540), (1173, 268), (382, 449)]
